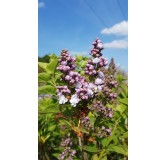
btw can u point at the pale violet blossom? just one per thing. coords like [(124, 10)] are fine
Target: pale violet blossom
[(64, 63), (74, 100), (98, 81), (101, 74), (99, 88), (93, 87), (100, 45), (78, 85), (62, 99), (96, 60), (86, 85), (90, 93)]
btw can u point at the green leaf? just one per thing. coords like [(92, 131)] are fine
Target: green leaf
[(104, 142), (125, 90), (120, 78), (44, 109), (79, 58), (124, 101), (115, 139), (110, 106), (121, 108), (85, 131), (51, 128), (46, 89), (43, 77), (52, 56), (113, 132), (92, 117), (95, 157), (64, 122), (51, 66), (58, 76), (104, 158), (119, 149), (55, 155), (122, 94), (125, 135), (42, 65), (83, 63), (91, 149), (43, 139)]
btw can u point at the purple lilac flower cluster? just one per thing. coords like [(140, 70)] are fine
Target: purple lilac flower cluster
[(67, 153), (108, 131), (105, 132), (90, 69), (104, 111), (74, 77), (62, 92), (113, 96), (111, 67), (114, 84), (66, 142), (109, 94), (111, 82), (84, 93), (100, 81), (83, 89), (101, 61), (96, 50), (86, 123), (97, 61), (67, 63)]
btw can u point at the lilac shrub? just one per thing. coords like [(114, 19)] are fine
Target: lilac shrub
[(85, 116), (91, 90)]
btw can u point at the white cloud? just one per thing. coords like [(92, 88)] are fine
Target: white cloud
[(118, 29), (120, 66), (121, 44), (41, 4), (78, 53)]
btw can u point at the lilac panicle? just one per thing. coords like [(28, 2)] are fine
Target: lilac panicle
[(105, 132), (102, 110), (90, 69), (114, 84), (85, 90), (96, 50), (85, 121), (74, 77), (66, 142), (62, 90), (82, 93), (67, 153), (109, 94), (66, 62), (112, 67), (97, 60)]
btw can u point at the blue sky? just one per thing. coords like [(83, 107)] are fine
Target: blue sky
[(74, 25)]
